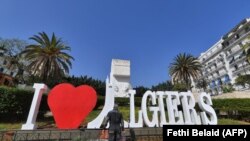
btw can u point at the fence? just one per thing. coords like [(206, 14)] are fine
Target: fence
[(138, 134)]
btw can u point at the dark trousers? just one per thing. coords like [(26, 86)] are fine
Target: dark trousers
[(114, 135)]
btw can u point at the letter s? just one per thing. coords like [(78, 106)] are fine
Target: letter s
[(205, 103)]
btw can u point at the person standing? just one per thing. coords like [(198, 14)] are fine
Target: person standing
[(116, 124)]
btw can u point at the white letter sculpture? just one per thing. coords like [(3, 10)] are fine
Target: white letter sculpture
[(117, 86), (31, 121)]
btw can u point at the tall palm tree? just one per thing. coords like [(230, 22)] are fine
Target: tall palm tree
[(47, 57), (185, 67)]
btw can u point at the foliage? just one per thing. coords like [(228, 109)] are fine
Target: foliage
[(98, 85), (224, 121), (181, 87), (235, 108), (10, 50), (48, 59), (164, 86), (202, 84), (227, 88), (232, 104), (184, 67), (243, 80), (140, 91), (15, 101), (13, 46), (119, 101), (246, 48)]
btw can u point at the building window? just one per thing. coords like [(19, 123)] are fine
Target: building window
[(231, 61), (4, 62), (1, 69), (235, 67), (225, 44), (237, 36), (11, 73), (215, 65), (219, 82), (217, 73), (240, 44)]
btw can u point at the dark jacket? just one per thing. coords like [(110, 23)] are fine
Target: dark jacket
[(115, 120)]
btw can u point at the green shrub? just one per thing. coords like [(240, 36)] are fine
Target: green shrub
[(232, 104), (235, 108), (227, 89), (15, 101), (120, 101), (181, 87), (243, 80)]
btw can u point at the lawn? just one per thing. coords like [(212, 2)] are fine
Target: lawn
[(232, 122)]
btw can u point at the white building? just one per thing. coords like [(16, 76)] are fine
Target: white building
[(226, 60)]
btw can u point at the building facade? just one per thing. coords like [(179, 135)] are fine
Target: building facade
[(226, 59)]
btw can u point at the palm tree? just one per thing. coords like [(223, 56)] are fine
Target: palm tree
[(185, 67), (47, 58)]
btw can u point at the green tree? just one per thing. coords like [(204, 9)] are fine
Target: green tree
[(181, 87), (202, 84), (10, 50), (246, 49), (183, 68), (164, 86), (140, 90), (243, 80), (47, 58)]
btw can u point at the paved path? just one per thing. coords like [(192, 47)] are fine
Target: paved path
[(235, 94)]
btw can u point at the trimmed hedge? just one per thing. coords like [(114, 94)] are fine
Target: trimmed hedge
[(232, 104), (15, 101), (234, 108)]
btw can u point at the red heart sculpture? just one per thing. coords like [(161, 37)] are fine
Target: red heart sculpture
[(70, 105)]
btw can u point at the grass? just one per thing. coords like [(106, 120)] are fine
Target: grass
[(18, 125), (232, 122)]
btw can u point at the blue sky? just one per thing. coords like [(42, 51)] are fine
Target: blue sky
[(150, 33)]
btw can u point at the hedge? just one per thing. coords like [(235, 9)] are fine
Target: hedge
[(232, 104), (235, 108), (15, 101)]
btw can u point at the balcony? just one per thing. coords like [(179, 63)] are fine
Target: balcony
[(237, 41), (211, 63), (221, 74), (238, 60), (218, 68), (234, 52), (243, 68)]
